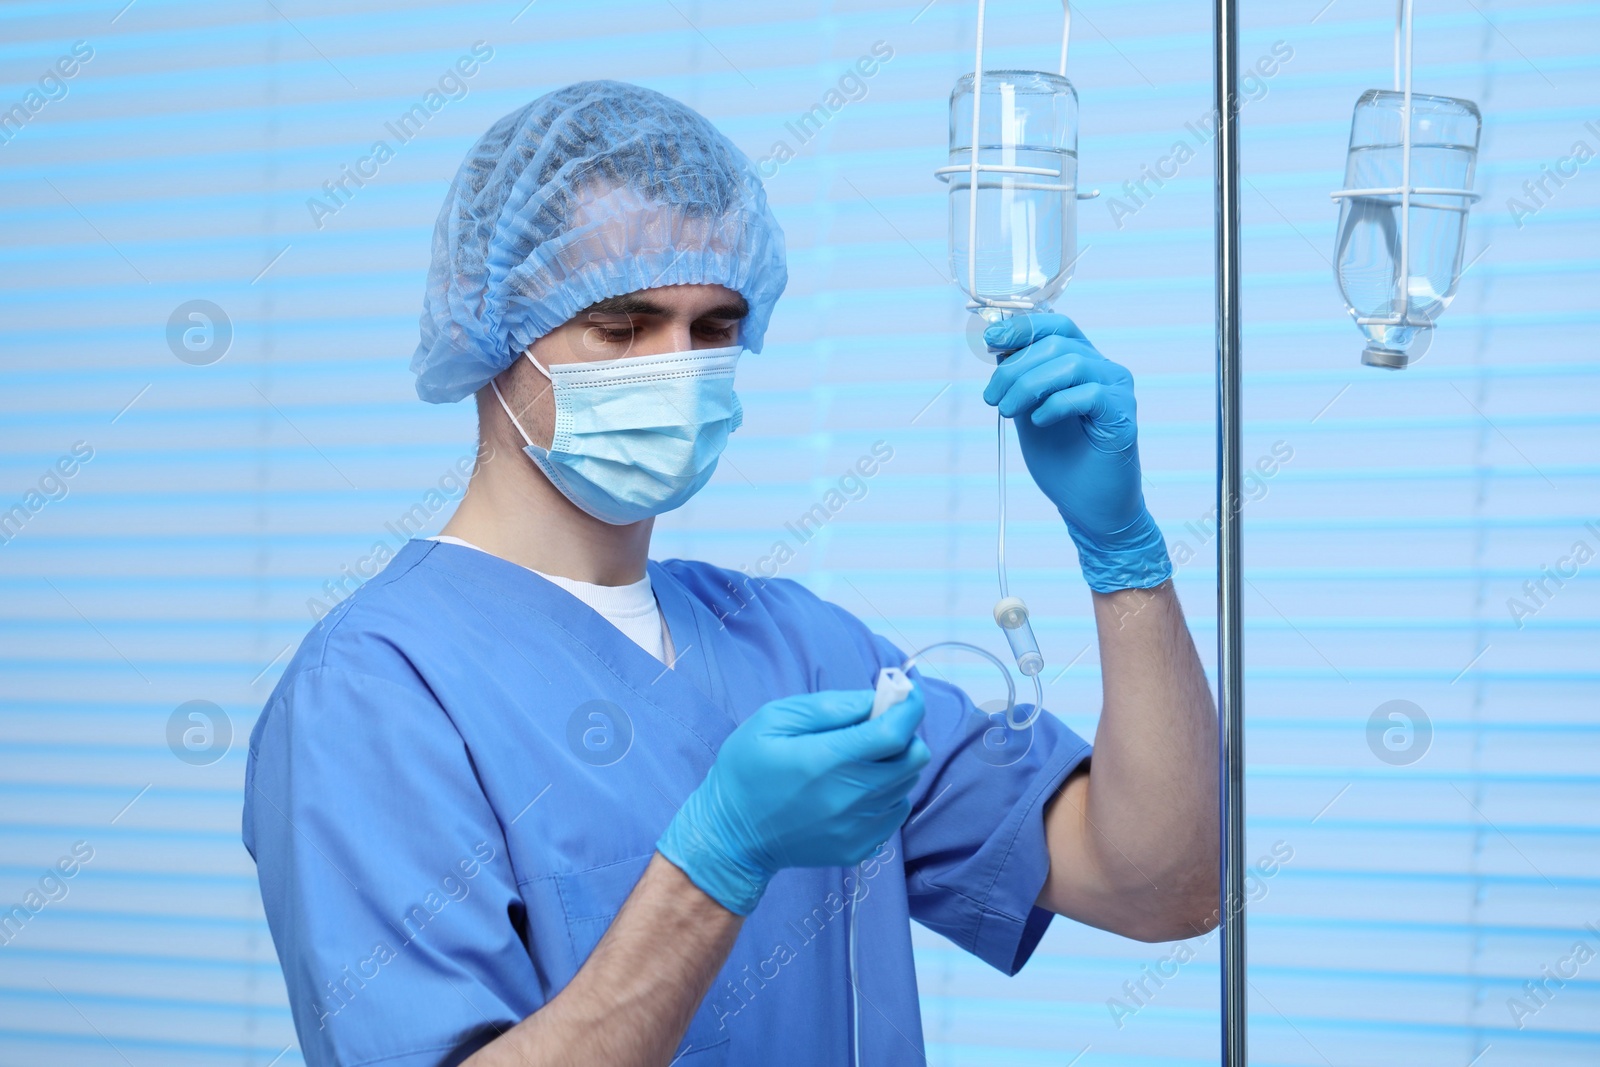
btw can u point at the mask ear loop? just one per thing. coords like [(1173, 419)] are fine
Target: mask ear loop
[(495, 385), (528, 352)]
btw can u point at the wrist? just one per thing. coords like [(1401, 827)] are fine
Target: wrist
[(701, 854), (1134, 557)]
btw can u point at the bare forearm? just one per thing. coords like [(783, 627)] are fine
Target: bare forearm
[(630, 1003), (1154, 785), (1141, 827)]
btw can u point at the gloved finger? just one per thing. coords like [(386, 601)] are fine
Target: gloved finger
[(1087, 400), (916, 756), (871, 839), (808, 713), (896, 771), (1019, 331), (878, 783), (914, 697), (884, 737), (1092, 401), (1042, 381), (889, 814), (883, 827), (1051, 349), (1015, 364), (896, 775)]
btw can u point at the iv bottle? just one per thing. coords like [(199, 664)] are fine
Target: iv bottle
[(1026, 232), (1397, 317)]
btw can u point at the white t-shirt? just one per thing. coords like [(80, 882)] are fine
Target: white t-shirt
[(630, 608)]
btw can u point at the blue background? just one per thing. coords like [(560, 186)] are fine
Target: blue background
[(224, 499)]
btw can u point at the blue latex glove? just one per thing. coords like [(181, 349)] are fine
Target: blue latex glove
[(807, 781), (1074, 413)]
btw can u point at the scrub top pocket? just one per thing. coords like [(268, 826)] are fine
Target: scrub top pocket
[(591, 899)]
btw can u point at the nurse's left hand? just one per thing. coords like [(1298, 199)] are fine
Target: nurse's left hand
[(1075, 417)]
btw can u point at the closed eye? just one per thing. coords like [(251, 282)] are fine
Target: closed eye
[(725, 331), (610, 329)]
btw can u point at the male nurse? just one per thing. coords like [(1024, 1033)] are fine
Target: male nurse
[(530, 797)]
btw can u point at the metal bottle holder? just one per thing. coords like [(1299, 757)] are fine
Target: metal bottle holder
[(1404, 315)]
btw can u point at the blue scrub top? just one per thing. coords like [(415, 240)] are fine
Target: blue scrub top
[(464, 771)]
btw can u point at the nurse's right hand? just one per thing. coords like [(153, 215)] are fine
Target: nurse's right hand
[(807, 781)]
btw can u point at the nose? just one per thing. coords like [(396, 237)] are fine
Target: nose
[(673, 335)]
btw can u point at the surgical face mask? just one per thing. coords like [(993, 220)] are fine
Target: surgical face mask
[(636, 436)]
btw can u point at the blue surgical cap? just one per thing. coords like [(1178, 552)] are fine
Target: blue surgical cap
[(591, 191)]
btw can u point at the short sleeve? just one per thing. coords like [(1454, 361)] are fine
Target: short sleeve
[(384, 874), (975, 850)]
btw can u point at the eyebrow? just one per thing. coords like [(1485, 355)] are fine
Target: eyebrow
[(634, 304)]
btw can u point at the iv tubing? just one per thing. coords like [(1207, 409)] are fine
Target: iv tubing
[(1000, 539), (1005, 672), (1066, 32), (1011, 722), (1403, 275), (972, 160), (1000, 542), (972, 169)]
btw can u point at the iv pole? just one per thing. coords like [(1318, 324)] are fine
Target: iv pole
[(1230, 631)]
